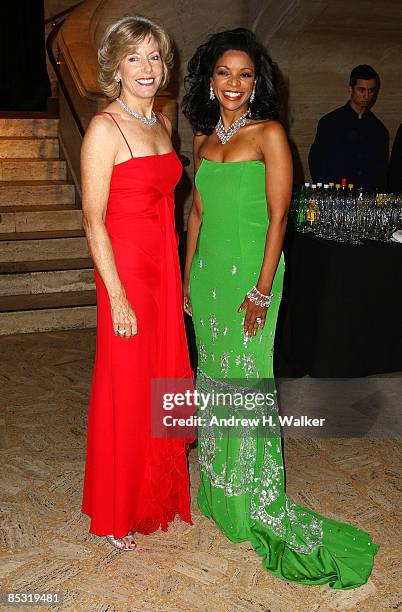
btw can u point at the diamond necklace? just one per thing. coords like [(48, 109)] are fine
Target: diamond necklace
[(225, 135), (150, 121)]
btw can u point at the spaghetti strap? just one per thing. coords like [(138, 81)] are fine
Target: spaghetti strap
[(162, 120), (119, 128)]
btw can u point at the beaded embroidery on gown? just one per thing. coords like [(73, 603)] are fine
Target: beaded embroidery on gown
[(242, 479)]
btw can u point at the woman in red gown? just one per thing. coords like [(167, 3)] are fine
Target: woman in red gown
[(133, 482)]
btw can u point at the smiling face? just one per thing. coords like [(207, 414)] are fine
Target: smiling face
[(141, 71), (233, 79)]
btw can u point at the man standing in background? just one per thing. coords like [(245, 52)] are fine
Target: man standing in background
[(395, 164), (351, 142)]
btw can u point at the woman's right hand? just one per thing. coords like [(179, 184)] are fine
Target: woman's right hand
[(186, 298), (123, 317)]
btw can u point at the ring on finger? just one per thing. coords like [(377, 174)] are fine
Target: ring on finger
[(121, 332), (258, 320)]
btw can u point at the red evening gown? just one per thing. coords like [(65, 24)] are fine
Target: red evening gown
[(134, 482)]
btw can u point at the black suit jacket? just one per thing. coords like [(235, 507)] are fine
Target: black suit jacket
[(395, 165), (352, 148)]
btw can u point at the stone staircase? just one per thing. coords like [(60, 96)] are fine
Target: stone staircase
[(46, 275)]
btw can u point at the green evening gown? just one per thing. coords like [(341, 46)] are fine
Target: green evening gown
[(242, 478)]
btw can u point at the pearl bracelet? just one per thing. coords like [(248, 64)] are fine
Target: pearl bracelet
[(259, 298)]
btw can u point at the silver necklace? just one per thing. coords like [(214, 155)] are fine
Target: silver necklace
[(150, 121), (225, 135)]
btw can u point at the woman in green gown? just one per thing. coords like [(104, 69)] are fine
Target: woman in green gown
[(232, 288)]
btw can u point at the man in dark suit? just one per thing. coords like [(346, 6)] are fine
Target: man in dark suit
[(395, 164), (351, 142)]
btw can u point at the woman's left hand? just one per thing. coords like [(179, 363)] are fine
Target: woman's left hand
[(254, 318)]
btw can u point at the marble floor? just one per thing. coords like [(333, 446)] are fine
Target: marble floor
[(44, 539)]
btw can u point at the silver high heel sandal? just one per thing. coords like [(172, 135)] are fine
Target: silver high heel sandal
[(118, 543)]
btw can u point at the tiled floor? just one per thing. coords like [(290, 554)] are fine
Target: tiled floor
[(45, 381)]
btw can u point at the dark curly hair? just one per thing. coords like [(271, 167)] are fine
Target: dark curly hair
[(202, 112)]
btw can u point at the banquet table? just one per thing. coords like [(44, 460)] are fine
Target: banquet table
[(341, 311)]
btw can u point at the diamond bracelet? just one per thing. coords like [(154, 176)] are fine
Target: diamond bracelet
[(259, 298)]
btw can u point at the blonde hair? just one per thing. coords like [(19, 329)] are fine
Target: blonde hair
[(122, 37)]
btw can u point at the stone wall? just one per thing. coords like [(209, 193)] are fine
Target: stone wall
[(53, 7)]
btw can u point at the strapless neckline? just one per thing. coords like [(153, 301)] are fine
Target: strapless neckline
[(244, 161)]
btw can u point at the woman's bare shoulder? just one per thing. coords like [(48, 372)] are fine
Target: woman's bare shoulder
[(269, 132), (101, 130), (102, 122), (268, 126), (166, 122), (101, 138), (198, 141), (273, 130)]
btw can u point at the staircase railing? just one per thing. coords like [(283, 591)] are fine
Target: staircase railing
[(55, 18), (55, 62), (74, 108)]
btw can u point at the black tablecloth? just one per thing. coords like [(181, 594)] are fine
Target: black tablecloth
[(341, 312)]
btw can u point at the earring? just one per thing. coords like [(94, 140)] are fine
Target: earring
[(117, 79), (211, 93), (252, 97)]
